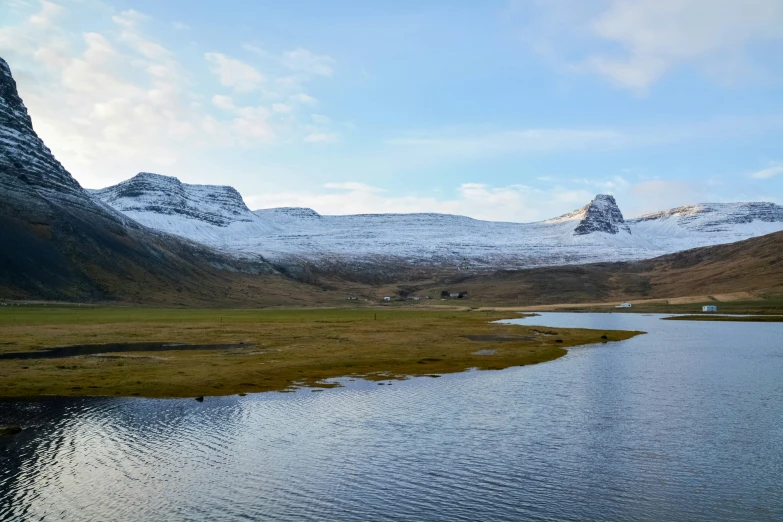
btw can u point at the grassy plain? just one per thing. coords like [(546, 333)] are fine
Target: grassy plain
[(286, 348), (770, 305), (730, 318)]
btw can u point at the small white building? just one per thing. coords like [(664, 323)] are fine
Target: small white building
[(709, 308), (387, 298), (624, 305)]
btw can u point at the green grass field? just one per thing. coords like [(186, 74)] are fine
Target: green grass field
[(284, 348), (86, 315)]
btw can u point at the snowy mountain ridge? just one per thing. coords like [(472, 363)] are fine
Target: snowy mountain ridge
[(24, 158), (218, 217)]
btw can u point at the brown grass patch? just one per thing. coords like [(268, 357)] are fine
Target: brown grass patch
[(292, 348)]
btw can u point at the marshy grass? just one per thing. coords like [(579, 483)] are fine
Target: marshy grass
[(285, 348)]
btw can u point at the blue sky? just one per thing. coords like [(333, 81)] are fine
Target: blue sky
[(511, 110)]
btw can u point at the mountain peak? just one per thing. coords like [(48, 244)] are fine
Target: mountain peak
[(601, 215), (168, 196), (24, 158)]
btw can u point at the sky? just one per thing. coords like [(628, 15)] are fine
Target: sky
[(513, 110)]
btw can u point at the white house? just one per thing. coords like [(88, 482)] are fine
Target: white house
[(709, 308), (624, 305), (387, 298)]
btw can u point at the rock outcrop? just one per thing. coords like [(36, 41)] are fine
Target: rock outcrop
[(602, 215)]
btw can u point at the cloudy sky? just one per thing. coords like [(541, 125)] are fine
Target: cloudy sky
[(513, 110)]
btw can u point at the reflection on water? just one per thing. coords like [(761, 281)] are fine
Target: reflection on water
[(96, 349), (684, 423)]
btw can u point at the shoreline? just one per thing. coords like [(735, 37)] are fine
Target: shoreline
[(728, 318), (285, 350)]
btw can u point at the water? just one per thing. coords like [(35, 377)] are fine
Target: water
[(100, 349), (685, 423)]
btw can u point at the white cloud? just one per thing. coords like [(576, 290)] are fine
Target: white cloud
[(353, 186), (252, 126), (655, 195), (613, 184), (320, 119), (322, 137), (479, 144), (223, 102), (649, 38), (305, 99), (114, 102), (774, 169), (255, 49), (129, 18), (512, 203), (180, 26), (302, 60), (233, 73)]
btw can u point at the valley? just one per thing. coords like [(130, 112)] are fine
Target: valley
[(156, 241), (377, 247), (409, 261)]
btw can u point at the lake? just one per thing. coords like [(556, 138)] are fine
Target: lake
[(684, 423)]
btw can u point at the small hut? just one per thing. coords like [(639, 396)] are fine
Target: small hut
[(709, 308)]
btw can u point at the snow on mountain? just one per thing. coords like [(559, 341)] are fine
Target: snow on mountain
[(210, 214), (600, 215), (597, 232), (25, 162), (32, 181), (57, 241)]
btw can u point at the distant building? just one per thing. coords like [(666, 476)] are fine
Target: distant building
[(387, 298), (709, 308), (454, 295), (624, 305)]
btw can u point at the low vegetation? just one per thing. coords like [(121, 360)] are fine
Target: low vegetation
[(731, 318), (770, 305), (285, 348)]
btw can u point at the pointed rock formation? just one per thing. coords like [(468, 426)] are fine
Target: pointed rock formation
[(601, 215)]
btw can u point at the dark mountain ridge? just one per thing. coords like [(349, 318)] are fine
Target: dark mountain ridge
[(58, 243)]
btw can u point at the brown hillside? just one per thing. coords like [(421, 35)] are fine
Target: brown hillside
[(754, 265)]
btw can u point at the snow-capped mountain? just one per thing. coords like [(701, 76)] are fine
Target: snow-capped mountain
[(26, 163), (218, 217), (210, 214), (59, 242), (600, 215)]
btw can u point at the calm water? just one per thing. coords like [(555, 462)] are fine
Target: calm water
[(685, 423)]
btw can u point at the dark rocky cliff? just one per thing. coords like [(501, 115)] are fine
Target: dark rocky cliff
[(57, 242), (602, 215)]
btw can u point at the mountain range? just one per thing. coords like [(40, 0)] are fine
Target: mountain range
[(155, 240), (218, 217), (57, 242)]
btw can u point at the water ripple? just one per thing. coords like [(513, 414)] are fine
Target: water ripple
[(683, 423)]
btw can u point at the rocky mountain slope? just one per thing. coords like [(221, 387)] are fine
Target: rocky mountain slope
[(597, 232), (58, 242), (753, 266)]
